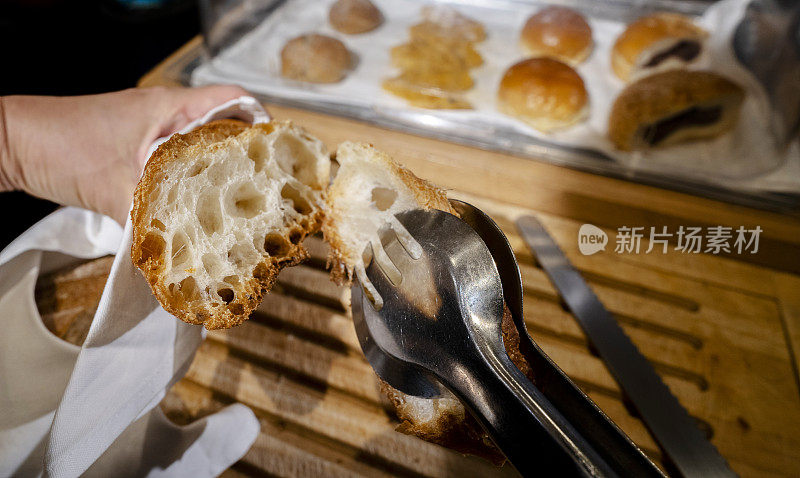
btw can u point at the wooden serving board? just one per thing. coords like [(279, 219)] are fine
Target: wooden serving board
[(721, 350), (723, 332), (298, 365)]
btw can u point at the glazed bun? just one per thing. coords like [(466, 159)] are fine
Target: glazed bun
[(545, 93), (557, 32), (672, 107), (354, 16), (315, 58), (655, 43)]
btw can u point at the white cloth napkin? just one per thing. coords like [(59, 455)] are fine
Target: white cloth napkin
[(67, 411)]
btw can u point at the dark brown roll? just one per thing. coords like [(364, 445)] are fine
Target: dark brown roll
[(354, 16), (316, 59)]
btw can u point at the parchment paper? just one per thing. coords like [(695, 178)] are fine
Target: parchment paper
[(745, 158)]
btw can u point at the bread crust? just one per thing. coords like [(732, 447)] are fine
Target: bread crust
[(662, 95), (543, 92), (644, 33), (249, 293), (461, 431), (557, 32)]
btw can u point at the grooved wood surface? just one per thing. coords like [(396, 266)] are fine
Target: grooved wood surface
[(723, 332), (722, 350)]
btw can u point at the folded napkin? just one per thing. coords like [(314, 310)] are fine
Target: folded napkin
[(67, 411)]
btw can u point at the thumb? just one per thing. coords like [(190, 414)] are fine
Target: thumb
[(188, 104), (173, 108)]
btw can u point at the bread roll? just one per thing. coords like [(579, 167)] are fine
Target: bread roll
[(544, 93), (315, 58), (557, 32), (673, 106), (220, 211), (367, 192), (655, 43), (354, 16)]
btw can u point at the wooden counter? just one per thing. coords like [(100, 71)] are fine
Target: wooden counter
[(722, 331)]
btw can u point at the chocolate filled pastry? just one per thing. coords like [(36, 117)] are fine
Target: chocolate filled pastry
[(316, 59), (354, 16), (557, 32), (545, 93), (672, 107), (655, 43)]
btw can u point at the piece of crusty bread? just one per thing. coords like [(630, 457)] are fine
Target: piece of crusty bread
[(368, 190), (221, 210)]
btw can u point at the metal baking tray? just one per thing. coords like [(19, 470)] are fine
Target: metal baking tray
[(226, 23)]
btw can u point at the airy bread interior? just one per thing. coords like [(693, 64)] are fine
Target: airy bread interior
[(220, 211), (369, 189), (367, 192)]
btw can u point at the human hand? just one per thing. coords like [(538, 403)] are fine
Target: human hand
[(89, 151)]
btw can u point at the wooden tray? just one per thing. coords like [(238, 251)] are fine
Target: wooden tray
[(722, 350), (723, 332)]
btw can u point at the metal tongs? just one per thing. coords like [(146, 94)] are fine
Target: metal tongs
[(438, 323)]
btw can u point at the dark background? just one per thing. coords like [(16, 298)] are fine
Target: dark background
[(78, 47)]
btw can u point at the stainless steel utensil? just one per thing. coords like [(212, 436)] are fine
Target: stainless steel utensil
[(596, 428), (677, 433), (442, 320)]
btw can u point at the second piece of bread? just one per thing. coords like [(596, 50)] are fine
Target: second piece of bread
[(367, 192)]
